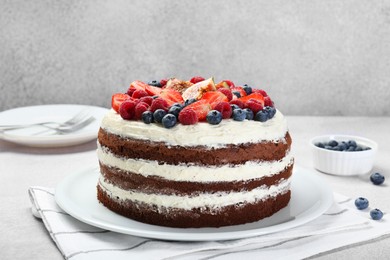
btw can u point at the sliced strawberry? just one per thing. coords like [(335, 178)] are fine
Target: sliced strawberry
[(214, 96), (117, 99), (152, 90), (201, 108), (196, 79), (239, 90), (171, 96), (256, 96), (137, 84), (260, 91), (230, 83), (222, 84)]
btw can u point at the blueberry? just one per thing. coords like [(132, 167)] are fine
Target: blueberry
[(147, 117), (175, 110), (178, 105), (169, 121), (158, 115), (239, 114), (261, 116), (189, 101), (236, 93), (249, 114), (271, 111), (377, 178), (351, 149), (155, 83), (342, 146), (352, 143), (376, 214), (234, 106), (214, 117), (358, 149), (154, 97), (361, 203), (320, 145), (333, 143), (247, 89), (327, 147)]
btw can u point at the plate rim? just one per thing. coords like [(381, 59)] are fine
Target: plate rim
[(163, 232)]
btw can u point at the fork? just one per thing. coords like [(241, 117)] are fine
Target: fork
[(80, 117), (72, 127)]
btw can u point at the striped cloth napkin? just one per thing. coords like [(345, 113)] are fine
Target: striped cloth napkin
[(340, 226)]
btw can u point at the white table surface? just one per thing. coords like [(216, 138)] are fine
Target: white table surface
[(22, 236)]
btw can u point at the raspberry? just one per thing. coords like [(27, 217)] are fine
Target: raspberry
[(130, 91), (268, 102), (139, 109), (163, 82), (254, 105), (260, 91), (148, 100), (139, 93), (196, 79), (237, 102), (224, 108), (188, 117), (227, 93), (127, 109), (230, 83), (159, 103)]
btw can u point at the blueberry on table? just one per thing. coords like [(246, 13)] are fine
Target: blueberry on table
[(377, 178), (214, 117), (361, 203), (376, 214), (169, 121)]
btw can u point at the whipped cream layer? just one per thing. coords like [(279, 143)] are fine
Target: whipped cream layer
[(203, 134), (193, 173), (213, 201)]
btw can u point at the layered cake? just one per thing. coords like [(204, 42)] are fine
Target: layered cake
[(194, 154)]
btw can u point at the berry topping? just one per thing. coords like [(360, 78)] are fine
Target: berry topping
[(249, 113), (171, 96), (261, 116), (224, 108), (188, 117), (214, 96), (229, 83), (377, 178), (236, 93), (175, 110), (222, 84), (271, 111), (214, 117), (127, 109), (227, 92), (248, 89), (189, 101), (139, 93), (239, 114), (201, 108), (234, 106), (254, 105), (260, 91), (148, 100), (196, 79), (169, 121), (155, 83), (268, 102), (196, 91), (256, 96), (139, 109), (159, 103), (237, 102), (163, 82), (117, 99), (361, 203), (152, 91), (147, 117), (239, 90), (376, 214), (158, 115)]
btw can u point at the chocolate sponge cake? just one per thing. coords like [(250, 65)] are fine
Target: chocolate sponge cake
[(194, 173)]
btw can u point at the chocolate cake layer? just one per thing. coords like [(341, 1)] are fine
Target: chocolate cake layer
[(198, 155), (158, 185), (195, 218)]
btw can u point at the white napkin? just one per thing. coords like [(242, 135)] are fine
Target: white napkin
[(341, 225)]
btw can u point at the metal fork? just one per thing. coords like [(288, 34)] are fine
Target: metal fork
[(73, 127), (76, 121)]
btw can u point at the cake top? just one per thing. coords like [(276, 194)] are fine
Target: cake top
[(169, 102)]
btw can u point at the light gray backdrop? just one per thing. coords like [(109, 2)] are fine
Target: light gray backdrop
[(313, 57)]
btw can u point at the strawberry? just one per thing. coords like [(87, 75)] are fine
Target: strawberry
[(222, 84), (188, 117), (171, 96), (260, 91), (237, 102), (268, 102), (137, 84), (201, 108), (117, 99), (227, 92), (256, 96), (254, 105), (159, 103), (230, 83), (214, 96), (224, 108), (139, 109), (139, 93), (152, 90), (239, 90), (163, 82), (127, 109), (196, 79)]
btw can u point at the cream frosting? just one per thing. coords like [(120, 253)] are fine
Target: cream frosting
[(214, 201), (184, 172), (203, 134)]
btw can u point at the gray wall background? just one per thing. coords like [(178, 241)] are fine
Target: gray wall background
[(313, 57)]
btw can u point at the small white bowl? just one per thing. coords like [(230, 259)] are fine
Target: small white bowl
[(343, 162)]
